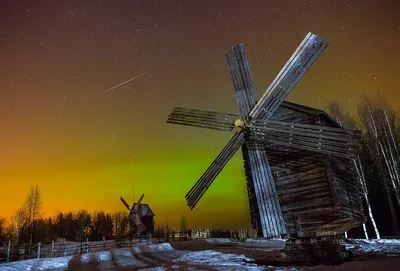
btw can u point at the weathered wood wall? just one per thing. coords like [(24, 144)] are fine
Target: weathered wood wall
[(304, 192), (320, 192)]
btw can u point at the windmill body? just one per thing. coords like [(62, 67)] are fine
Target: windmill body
[(298, 161)]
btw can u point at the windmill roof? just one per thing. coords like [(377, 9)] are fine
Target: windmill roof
[(145, 210), (310, 110)]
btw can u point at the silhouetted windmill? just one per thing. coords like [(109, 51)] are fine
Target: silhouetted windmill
[(133, 217)]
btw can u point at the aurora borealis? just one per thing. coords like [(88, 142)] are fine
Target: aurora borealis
[(85, 148)]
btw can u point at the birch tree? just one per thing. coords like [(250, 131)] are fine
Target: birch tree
[(360, 172), (378, 122), (31, 209), (346, 121)]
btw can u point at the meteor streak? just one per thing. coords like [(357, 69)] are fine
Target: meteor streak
[(125, 82)]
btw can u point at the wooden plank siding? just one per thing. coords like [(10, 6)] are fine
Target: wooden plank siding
[(304, 191), (321, 191)]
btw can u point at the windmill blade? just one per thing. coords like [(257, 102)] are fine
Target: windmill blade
[(327, 140), (202, 118), (125, 203), (137, 204), (262, 186), (298, 64), (140, 199), (201, 186), (139, 224), (241, 79)]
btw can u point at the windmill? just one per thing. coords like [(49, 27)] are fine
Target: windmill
[(258, 126), (133, 217)]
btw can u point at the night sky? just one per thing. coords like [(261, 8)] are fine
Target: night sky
[(85, 147)]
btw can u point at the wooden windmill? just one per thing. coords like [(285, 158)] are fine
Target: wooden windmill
[(282, 143), (133, 217)]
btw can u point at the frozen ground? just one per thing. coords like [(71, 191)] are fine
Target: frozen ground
[(212, 254)]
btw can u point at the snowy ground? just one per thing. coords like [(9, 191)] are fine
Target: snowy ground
[(211, 254), (389, 247)]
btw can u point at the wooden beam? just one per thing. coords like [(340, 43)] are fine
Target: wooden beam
[(202, 185), (298, 64)]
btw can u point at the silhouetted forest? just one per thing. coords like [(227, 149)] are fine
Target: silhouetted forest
[(377, 166)]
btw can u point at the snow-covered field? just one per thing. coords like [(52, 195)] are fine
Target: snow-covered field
[(154, 257), (164, 257)]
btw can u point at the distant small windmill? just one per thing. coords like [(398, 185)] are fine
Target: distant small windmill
[(133, 216)]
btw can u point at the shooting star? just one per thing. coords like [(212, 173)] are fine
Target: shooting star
[(123, 83)]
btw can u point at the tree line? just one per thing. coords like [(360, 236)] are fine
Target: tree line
[(28, 226)]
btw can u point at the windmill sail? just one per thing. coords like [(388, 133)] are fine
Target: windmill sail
[(201, 186)]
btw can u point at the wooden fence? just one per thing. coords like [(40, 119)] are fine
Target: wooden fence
[(11, 252), (60, 249)]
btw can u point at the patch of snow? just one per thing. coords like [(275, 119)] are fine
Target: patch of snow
[(85, 259), (124, 258), (154, 269), (267, 241), (37, 264), (381, 246), (214, 258), (103, 256), (219, 240), (152, 248)]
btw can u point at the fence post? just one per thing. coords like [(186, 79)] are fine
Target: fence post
[(87, 245), (8, 251), (38, 250), (104, 242), (52, 249), (66, 249), (150, 239)]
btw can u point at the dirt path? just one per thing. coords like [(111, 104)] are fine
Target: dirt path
[(137, 261)]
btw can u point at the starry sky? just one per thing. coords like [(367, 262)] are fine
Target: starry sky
[(85, 147)]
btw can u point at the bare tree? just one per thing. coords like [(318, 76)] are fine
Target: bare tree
[(360, 173), (343, 118), (346, 121), (31, 209), (183, 225), (84, 221), (2, 230), (378, 122), (15, 226)]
